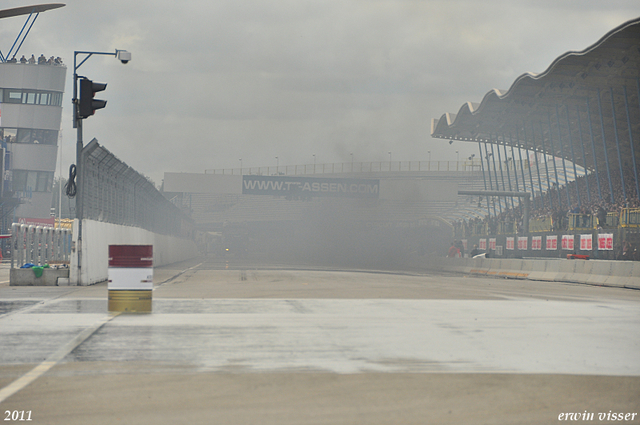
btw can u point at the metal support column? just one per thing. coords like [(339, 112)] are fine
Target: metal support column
[(604, 146), (535, 152), (486, 150), (529, 165), (504, 187), (573, 158), (483, 176), (546, 165), (593, 148), (555, 166), (564, 165), (615, 132), (584, 157), (495, 171), (633, 154), (506, 162), (515, 169)]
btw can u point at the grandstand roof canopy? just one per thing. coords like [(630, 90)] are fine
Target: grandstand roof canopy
[(566, 111)]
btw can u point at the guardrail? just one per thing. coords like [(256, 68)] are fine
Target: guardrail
[(39, 245)]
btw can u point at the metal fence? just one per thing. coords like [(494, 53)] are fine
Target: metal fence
[(113, 192), (39, 245)]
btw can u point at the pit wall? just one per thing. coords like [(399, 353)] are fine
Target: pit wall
[(624, 274), (97, 236)]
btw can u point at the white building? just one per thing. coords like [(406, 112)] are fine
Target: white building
[(30, 115)]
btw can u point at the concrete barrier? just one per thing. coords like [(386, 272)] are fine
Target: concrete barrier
[(583, 270), (97, 236), (27, 277), (551, 269), (597, 272), (567, 270), (537, 269), (621, 274), (634, 280), (479, 265), (512, 268)]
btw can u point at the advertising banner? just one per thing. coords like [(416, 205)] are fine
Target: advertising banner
[(510, 243), (536, 243), (586, 242), (523, 241), (492, 244), (567, 242), (605, 242), (310, 187), (44, 222), (552, 242), (482, 244)]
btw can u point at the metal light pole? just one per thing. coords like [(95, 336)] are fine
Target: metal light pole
[(124, 57)]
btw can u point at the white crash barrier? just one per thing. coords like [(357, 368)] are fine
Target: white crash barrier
[(97, 236), (596, 272)]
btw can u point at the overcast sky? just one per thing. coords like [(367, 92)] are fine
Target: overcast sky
[(211, 82)]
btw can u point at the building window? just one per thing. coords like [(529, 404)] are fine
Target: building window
[(8, 135), (31, 97), (32, 181), (27, 135)]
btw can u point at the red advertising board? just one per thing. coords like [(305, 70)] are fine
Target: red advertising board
[(510, 242), (523, 242), (586, 242), (567, 242), (536, 243), (552, 242), (605, 241)]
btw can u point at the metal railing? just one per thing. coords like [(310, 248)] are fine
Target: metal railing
[(39, 245), (630, 217), (581, 222), (353, 167)]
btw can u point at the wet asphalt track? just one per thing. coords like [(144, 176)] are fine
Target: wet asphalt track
[(220, 320)]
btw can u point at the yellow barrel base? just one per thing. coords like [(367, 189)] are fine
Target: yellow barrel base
[(130, 301)]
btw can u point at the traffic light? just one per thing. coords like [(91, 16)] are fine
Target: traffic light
[(87, 104)]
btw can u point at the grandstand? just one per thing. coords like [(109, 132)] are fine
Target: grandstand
[(584, 113)]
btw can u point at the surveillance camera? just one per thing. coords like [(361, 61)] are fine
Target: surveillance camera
[(123, 56)]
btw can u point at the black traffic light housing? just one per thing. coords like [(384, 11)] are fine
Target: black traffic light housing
[(87, 105)]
